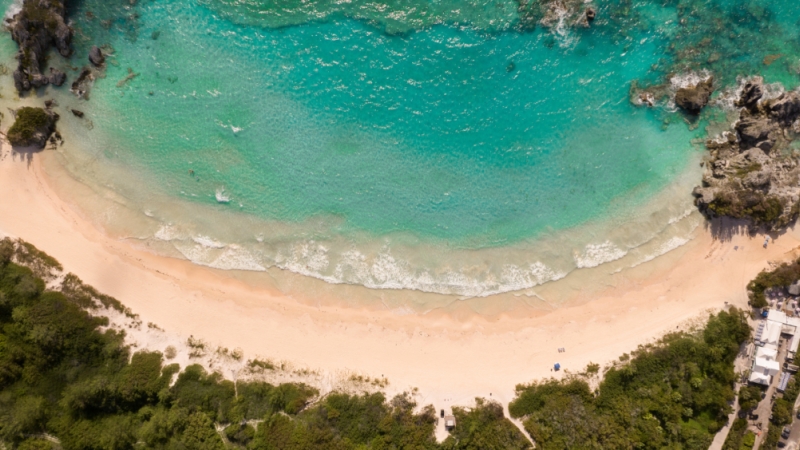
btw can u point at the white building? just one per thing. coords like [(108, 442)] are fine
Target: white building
[(768, 336)]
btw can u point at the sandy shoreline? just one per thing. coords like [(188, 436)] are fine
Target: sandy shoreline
[(451, 353)]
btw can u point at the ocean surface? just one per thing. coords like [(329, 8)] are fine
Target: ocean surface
[(456, 147)]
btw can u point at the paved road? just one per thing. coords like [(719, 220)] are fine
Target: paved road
[(764, 408)]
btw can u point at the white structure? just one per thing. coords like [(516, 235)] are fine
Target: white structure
[(768, 336)]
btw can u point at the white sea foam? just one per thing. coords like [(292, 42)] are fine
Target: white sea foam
[(688, 79), (166, 233), (668, 246), (207, 242), (681, 216), (595, 254), (13, 9), (236, 258), (221, 196)]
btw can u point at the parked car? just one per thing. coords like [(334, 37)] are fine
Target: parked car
[(781, 444), (786, 432), (441, 414)]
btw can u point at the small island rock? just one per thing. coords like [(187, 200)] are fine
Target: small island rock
[(39, 25), (32, 127), (96, 56), (693, 98), (57, 77)]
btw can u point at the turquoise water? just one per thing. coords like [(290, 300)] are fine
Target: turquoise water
[(423, 145)]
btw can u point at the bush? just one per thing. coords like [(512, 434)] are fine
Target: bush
[(671, 395), (781, 276), (61, 375), (32, 127)]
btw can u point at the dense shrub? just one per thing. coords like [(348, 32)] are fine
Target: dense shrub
[(781, 276), (61, 375), (671, 395)]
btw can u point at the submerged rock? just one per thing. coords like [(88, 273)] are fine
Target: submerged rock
[(57, 77), (96, 56), (38, 26), (77, 113), (694, 98), (80, 86), (32, 127)]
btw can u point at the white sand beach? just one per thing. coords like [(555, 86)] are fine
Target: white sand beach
[(451, 355)]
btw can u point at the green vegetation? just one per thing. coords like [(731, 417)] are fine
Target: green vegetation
[(752, 167), (485, 427), (673, 394), (32, 127), (749, 204), (62, 378), (782, 276), (738, 436), (749, 396)]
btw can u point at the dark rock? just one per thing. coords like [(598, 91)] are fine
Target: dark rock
[(80, 86), (32, 127), (755, 130), (693, 98), (38, 26), (590, 14), (96, 56), (77, 113), (751, 94), (154, 36), (57, 77), (49, 103), (784, 109)]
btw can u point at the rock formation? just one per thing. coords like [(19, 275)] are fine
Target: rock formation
[(32, 127), (81, 85), (694, 98), (57, 77), (38, 26), (96, 56), (751, 172)]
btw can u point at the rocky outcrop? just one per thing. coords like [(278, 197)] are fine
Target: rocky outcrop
[(38, 26), (96, 56), (32, 127), (555, 13), (81, 85), (751, 94), (751, 172), (784, 109), (57, 77), (692, 99)]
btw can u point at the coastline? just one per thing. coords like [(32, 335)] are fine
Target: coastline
[(432, 351)]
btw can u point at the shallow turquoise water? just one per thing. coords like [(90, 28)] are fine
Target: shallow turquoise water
[(408, 129)]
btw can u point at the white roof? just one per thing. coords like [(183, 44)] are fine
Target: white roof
[(767, 352), (760, 378), (772, 332), (777, 316), (766, 366)]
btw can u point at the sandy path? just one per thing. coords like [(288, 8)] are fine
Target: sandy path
[(447, 356)]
